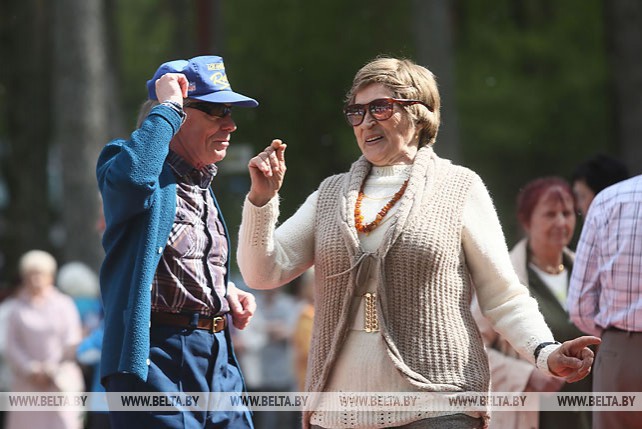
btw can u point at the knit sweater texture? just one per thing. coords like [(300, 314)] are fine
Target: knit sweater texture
[(423, 269), (426, 281)]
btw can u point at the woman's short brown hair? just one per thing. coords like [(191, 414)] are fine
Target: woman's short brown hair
[(407, 80)]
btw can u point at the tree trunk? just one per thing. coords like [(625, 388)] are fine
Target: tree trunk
[(25, 110), (114, 76), (209, 27), (624, 44), (81, 111), (434, 43)]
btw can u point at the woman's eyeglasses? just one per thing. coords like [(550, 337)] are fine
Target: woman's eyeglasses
[(380, 109), (212, 109)]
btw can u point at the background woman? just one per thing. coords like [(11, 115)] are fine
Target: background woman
[(593, 175), (394, 243), (43, 330), (543, 262)]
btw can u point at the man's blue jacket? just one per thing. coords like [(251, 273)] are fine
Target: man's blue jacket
[(139, 201)]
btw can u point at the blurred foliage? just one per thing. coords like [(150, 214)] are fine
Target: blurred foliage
[(531, 91), (531, 84), (298, 60), (144, 41), (531, 81)]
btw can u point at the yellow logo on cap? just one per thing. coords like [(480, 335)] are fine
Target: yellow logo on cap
[(219, 78), (215, 66)]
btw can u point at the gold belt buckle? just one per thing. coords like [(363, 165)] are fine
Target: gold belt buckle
[(371, 321), (215, 322)]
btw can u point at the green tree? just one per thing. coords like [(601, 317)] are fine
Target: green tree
[(298, 60), (624, 37), (531, 80)]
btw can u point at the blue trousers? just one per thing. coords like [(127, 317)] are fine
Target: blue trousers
[(183, 360)]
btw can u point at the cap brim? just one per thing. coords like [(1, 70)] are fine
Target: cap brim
[(227, 97)]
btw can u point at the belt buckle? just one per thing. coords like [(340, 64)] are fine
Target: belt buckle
[(371, 320), (215, 322)]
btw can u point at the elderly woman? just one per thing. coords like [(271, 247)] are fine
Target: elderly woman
[(543, 262), (43, 330), (395, 242)]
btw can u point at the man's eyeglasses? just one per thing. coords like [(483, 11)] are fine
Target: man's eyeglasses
[(380, 109), (212, 109)]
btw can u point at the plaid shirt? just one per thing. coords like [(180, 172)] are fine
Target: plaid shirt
[(606, 284), (190, 275)]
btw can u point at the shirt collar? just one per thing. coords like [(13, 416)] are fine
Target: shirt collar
[(188, 173)]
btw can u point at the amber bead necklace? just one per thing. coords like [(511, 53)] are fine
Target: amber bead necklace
[(358, 217)]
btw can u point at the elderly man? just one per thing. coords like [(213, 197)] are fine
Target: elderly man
[(605, 294), (164, 280)]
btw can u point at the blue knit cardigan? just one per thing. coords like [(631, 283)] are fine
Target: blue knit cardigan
[(139, 198)]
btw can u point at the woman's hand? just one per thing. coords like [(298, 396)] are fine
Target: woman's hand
[(573, 359), (40, 374), (171, 87), (267, 170)]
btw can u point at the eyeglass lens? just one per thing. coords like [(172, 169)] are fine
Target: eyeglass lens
[(380, 109), (212, 109)]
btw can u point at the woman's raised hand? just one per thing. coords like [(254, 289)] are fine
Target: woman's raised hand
[(267, 170), (573, 359)]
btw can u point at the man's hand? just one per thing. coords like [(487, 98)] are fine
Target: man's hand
[(242, 305), (573, 359), (172, 87)]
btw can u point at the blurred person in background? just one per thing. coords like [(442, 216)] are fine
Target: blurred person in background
[(395, 243), (543, 262), (302, 335), (90, 348), (165, 282), (8, 299), (80, 282), (267, 353), (43, 330), (605, 294), (593, 175), (88, 354)]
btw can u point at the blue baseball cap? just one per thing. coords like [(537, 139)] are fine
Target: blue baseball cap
[(207, 81)]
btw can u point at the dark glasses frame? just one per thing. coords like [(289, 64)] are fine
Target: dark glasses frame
[(380, 109), (217, 110)]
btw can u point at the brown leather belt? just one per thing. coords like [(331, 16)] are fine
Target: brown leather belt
[(207, 323)]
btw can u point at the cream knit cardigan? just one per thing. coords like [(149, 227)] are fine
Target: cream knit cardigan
[(423, 267)]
